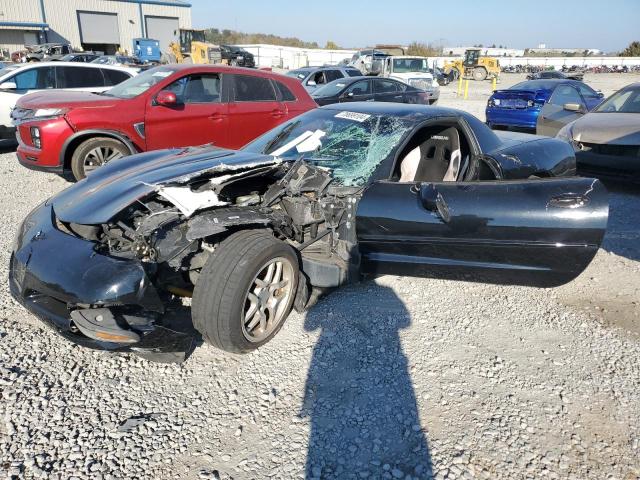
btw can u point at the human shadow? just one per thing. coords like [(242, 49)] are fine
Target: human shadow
[(359, 395), (623, 228)]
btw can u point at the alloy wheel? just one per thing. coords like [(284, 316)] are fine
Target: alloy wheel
[(267, 299)]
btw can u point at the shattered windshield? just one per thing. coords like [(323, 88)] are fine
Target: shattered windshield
[(349, 144)]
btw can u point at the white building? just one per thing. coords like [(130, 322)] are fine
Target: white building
[(100, 25), (290, 58)]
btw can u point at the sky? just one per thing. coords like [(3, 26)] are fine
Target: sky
[(606, 25)]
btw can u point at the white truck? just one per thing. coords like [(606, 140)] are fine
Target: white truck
[(413, 71)]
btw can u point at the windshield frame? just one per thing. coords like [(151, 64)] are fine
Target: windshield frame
[(634, 90), (317, 92), (114, 91)]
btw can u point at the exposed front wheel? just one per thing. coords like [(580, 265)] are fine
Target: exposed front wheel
[(245, 291), (94, 153), (479, 74)]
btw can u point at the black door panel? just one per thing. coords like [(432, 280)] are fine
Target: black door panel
[(529, 232)]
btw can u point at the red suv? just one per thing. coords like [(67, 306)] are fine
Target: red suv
[(164, 107)]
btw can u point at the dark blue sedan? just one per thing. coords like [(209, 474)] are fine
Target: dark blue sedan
[(541, 106)]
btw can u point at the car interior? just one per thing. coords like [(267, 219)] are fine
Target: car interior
[(202, 89), (436, 153)]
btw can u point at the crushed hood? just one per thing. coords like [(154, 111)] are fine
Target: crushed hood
[(115, 186), (608, 128), (65, 99)]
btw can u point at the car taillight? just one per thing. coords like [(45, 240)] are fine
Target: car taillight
[(35, 137)]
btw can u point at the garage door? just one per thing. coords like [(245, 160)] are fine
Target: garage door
[(99, 27), (163, 29)]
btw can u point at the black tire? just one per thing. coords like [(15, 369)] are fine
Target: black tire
[(221, 295), (479, 74), (83, 152)]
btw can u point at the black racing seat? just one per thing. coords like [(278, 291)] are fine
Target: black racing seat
[(440, 157)]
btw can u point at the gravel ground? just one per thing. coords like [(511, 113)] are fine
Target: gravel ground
[(393, 378)]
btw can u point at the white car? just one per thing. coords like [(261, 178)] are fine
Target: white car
[(20, 79), (413, 71)]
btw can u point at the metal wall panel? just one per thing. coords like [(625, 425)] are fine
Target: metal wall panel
[(20, 11), (12, 40)]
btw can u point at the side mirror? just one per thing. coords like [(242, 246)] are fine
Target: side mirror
[(166, 98), (348, 95), (8, 86), (573, 107), (311, 83), (600, 94)]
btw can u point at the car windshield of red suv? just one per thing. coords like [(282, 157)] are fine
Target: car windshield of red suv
[(139, 84)]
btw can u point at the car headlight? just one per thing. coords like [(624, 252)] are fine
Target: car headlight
[(566, 134), (41, 113)]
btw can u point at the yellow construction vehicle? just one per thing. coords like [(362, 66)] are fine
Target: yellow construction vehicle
[(205, 52), (473, 66), (193, 48)]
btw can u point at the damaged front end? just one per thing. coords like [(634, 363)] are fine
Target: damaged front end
[(118, 276)]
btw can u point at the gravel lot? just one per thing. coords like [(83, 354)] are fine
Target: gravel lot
[(394, 378)]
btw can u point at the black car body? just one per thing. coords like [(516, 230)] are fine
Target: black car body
[(104, 261), (237, 56), (369, 89)]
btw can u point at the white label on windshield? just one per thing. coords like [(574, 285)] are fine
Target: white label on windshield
[(356, 117), (162, 74)]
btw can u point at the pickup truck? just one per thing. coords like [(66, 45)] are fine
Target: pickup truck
[(413, 71)]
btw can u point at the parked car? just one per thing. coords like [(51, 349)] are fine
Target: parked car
[(121, 60), (413, 71), (42, 52), (548, 74), (237, 56), (85, 57), (313, 204), (543, 106), (440, 77), (369, 89), (164, 107), (607, 140), (315, 77), (21, 79)]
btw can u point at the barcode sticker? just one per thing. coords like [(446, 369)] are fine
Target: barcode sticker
[(356, 117)]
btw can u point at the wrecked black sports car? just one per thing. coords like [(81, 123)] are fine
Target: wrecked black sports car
[(339, 192)]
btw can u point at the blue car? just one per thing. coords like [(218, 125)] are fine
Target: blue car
[(540, 106)]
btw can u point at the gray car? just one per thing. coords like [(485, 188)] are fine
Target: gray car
[(314, 77), (607, 140)]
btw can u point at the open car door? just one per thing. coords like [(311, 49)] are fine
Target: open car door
[(541, 232)]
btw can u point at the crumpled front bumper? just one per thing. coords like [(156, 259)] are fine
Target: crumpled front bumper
[(53, 273)]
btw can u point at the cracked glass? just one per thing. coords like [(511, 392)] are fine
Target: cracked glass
[(349, 144)]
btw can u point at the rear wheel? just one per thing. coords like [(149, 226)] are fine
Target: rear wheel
[(479, 74), (245, 291), (94, 153)]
